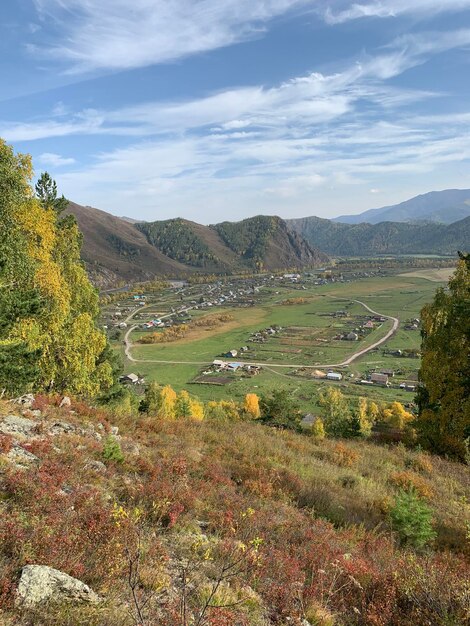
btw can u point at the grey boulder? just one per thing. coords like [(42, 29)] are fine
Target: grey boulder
[(14, 425), (40, 583)]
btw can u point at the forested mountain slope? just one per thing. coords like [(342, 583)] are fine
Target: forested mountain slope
[(383, 238)]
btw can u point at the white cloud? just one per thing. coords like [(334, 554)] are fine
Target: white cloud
[(265, 147), (55, 160), (116, 34), (347, 11)]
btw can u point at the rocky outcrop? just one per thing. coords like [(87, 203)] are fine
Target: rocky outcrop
[(14, 425), (21, 457), (40, 583)]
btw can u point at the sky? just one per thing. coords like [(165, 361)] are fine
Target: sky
[(219, 110)]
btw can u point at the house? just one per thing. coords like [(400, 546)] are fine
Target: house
[(234, 366), (123, 325), (130, 378), (388, 372), (141, 297), (380, 379), (408, 386), (334, 376), (369, 324), (231, 353), (352, 337), (218, 363)]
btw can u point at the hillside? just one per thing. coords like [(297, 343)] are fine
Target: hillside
[(450, 205), (115, 250), (287, 529), (192, 244), (383, 238), (267, 242)]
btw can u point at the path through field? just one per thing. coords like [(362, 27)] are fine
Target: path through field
[(344, 363)]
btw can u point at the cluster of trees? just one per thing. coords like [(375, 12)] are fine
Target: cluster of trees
[(176, 239), (339, 416), (48, 307), (165, 403), (444, 394), (250, 237)]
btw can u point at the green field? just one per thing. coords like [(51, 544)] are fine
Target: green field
[(307, 339)]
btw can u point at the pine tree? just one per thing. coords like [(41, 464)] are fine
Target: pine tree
[(46, 192), (412, 519)]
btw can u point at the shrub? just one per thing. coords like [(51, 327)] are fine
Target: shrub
[(411, 518), (318, 430), (112, 450), (409, 480), (420, 463), (6, 442), (344, 456)]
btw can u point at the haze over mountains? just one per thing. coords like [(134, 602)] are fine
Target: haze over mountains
[(447, 206), (123, 249)]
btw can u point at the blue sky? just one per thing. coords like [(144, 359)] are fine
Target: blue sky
[(222, 109)]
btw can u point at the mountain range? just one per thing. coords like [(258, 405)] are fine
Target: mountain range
[(115, 249), (446, 207), (336, 238), (119, 249)]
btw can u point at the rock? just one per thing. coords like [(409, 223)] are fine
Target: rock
[(14, 425), (32, 413), (95, 466), (21, 457), (40, 583), (66, 401), (26, 401), (61, 428)]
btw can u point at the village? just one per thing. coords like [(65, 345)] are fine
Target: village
[(286, 325)]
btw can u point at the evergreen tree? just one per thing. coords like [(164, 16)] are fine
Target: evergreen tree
[(412, 519), (444, 394), (46, 192)]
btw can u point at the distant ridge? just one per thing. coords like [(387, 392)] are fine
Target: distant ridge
[(364, 239), (446, 207)]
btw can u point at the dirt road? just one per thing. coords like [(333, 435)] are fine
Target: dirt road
[(345, 363)]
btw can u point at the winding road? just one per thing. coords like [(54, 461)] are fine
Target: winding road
[(345, 363)]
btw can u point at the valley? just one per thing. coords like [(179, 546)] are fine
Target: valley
[(288, 330)]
